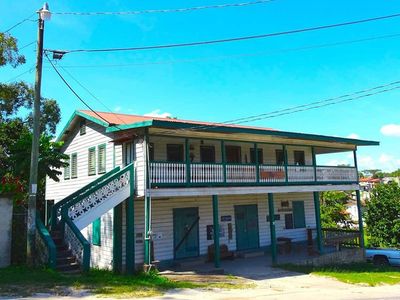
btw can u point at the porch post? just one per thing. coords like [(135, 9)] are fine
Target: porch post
[(216, 231), (257, 163), (187, 161), (285, 158), (223, 157), (272, 226), (147, 205), (314, 161), (117, 238), (130, 226), (360, 220), (317, 209)]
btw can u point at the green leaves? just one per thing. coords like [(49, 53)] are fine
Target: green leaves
[(383, 216), (9, 51), (333, 209)]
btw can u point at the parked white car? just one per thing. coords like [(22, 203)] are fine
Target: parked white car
[(383, 257)]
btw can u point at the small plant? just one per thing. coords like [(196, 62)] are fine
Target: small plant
[(11, 185)]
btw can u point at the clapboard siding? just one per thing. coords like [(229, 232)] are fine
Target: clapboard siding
[(101, 256), (269, 150), (139, 167), (162, 221), (95, 136)]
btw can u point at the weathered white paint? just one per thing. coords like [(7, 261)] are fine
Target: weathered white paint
[(76, 143), (162, 221), (6, 211)]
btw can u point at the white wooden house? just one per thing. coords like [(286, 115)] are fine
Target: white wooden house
[(179, 180)]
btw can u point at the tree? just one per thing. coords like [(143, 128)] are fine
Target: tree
[(382, 215), (333, 209)]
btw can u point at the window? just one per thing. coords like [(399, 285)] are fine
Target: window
[(101, 168), (253, 156), (92, 161), (233, 154), (82, 127), (298, 214), (299, 158), (280, 157), (67, 170), (288, 221), (74, 165), (96, 232), (151, 151), (207, 154), (175, 152)]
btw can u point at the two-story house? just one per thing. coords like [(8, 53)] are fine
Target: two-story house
[(140, 189)]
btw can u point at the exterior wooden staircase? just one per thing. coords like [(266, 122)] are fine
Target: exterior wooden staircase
[(65, 248)]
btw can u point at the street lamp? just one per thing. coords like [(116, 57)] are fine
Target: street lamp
[(44, 15)]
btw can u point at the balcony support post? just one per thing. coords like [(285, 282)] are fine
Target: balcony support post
[(285, 158), (217, 263), (272, 227), (355, 162), (317, 209), (257, 163), (223, 155), (360, 219), (187, 161), (314, 161)]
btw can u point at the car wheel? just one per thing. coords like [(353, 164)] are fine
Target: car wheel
[(380, 261)]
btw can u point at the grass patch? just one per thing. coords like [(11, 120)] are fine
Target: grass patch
[(357, 273), (23, 281)]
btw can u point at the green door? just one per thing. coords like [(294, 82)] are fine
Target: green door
[(246, 219), (186, 232)]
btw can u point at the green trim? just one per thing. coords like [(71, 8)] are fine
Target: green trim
[(78, 113), (223, 157), (130, 126), (271, 212), (299, 214), (67, 169), (130, 226), (100, 147), (96, 232), (113, 155), (360, 219), (48, 241), (117, 239), (285, 158), (187, 160), (56, 207), (314, 162), (257, 163), (217, 262), (317, 209), (147, 206), (90, 151), (229, 129)]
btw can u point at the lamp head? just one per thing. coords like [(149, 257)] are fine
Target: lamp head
[(45, 13)]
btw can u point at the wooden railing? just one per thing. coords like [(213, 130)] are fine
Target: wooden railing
[(180, 173), (341, 237)]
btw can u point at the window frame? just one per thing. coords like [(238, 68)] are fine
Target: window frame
[(99, 148), (67, 169), (94, 163), (260, 156), (75, 154), (181, 150), (238, 149), (302, 161), (202, 154), (82, 127), (278, 153)]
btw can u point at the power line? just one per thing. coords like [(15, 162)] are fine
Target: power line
[(173, 10), (73, 91), (23, 73), (21, 22), (217, 57), (304, 107), (27, 45), (235, 39), (90, 93)]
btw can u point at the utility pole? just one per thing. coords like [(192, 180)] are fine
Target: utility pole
[(44, 15)]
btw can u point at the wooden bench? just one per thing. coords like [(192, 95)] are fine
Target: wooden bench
[(223, 250), (284, 244)]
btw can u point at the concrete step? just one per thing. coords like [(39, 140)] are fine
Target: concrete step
[(185, 264), (68, 267), (66, 260)]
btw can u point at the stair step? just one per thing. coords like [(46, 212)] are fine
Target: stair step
[(63, 253), (72, 272), (61, 248), (68, 267), (66, 260)]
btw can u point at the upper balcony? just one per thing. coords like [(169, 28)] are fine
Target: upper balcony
[(205, 162)]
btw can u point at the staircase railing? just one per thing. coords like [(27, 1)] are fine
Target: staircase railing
[(45, 244), (83, 204), (77, 243), (56, 210)]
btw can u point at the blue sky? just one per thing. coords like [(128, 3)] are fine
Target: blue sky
[(232, 80)]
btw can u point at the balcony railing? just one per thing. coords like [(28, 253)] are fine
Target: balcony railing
[(171, 173)]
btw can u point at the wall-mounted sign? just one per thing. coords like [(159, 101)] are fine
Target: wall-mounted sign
[(276, 217), (226, 218)]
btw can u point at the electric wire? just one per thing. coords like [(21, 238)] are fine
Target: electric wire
[(219, 57), (90, 93), (76, 94), (300, 108), (228, 40), (22, 74), (173, 10), (19, 23)]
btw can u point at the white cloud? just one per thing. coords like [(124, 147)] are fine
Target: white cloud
[(391, 130), (366, 162), (384, 162), (353, 136), (157, 113), (117, 109)]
